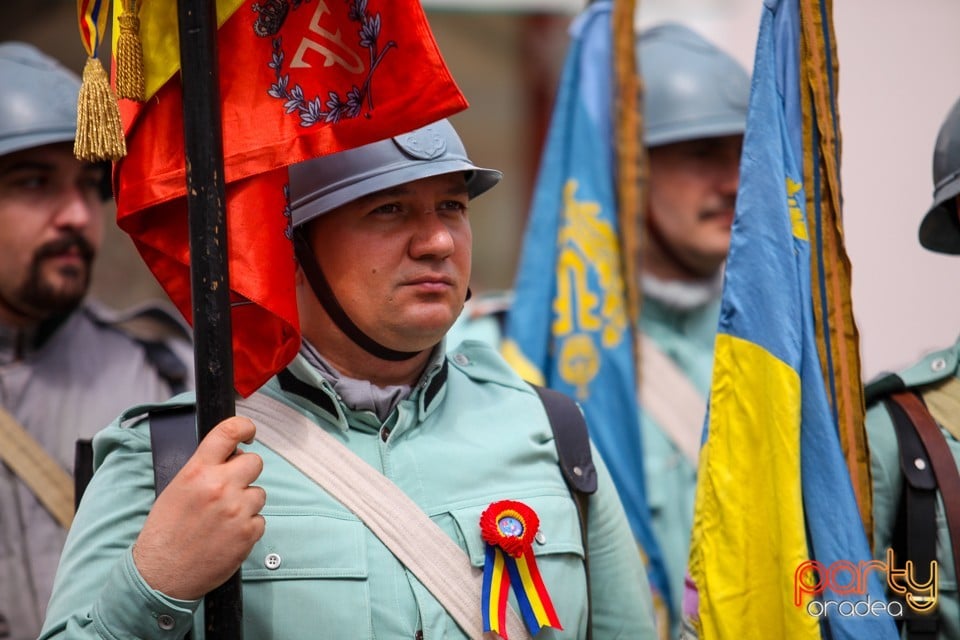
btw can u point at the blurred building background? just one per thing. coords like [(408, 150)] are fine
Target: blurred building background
[(897, 82)]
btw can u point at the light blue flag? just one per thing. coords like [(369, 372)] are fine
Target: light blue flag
[(569, 326), (756, 522)]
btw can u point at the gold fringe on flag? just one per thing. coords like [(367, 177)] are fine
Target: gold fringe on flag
[(630, 154), (129, 55), (631, 163), (99, 132), (838, 339)]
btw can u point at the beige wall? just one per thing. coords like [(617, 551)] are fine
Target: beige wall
[(897, 80)]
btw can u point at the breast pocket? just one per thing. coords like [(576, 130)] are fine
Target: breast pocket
[(306, 576), (559, 553)]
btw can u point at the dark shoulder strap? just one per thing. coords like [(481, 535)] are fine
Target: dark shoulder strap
[(941, 461), (915, 532), (173, 439), (572, 439), (82, 469), (576, 462)]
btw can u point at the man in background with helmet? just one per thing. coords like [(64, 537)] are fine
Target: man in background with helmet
[(904, 463), (384, 244), (695, 108), (66, 366)]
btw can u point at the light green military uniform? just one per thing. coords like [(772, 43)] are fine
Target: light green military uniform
[(926, 375), (470, 433), (685, 336)]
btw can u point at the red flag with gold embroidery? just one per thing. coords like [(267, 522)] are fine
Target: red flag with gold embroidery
[(298, 79)]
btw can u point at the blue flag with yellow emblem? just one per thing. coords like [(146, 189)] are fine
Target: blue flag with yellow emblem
[(778, 546), (569, 325)]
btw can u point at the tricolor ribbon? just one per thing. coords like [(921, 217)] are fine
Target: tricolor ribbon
[(99, 131), (508, 528), (92, 16)]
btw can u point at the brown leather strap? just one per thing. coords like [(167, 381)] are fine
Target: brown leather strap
[(944, 465)]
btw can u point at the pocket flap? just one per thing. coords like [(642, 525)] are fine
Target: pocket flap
[(301, 543)]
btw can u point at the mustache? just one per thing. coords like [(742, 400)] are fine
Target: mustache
[(69, 240)]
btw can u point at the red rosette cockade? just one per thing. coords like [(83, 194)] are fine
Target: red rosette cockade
[(508, 528)]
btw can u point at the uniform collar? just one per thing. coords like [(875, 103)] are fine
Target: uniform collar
[(311, 388), (680, 295)]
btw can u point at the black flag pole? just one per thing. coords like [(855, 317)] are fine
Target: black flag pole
[(209, 273)]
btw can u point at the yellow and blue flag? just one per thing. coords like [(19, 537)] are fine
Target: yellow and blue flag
[(569, 327), (777, 533)]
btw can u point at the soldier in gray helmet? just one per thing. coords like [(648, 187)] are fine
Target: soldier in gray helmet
[(695, 107), (915, 452), (414, 445), (67, 365)]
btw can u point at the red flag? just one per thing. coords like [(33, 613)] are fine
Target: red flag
[(298, 79)]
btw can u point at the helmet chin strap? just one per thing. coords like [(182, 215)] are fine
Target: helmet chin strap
[(321, 288)]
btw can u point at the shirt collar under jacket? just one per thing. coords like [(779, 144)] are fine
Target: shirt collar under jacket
[(320, 388), (681, 295)]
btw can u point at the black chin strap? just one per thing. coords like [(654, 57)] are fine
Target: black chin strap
[(321, 288)]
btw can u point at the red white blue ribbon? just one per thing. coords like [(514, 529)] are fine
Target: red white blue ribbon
[(508, 528)]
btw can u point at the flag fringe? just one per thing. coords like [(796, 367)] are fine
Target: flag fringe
[(131, 82), (99, 132)]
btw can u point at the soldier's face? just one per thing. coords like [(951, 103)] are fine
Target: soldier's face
[(398, 260), (51, 226), (692, 191)]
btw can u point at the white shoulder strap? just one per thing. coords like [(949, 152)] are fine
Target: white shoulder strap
[(668, 395), (417, 542)]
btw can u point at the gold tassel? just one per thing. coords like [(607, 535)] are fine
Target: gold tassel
[(129, 58), (99, 132)]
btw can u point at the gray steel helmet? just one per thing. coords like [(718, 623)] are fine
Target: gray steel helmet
[(692, 89), (940, 229), (325, 183), (38, 99)]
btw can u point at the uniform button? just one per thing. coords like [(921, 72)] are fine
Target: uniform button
[(166, 622), (577, 471), (461, 359), (418, 635), (384, 433), (272, 561), (540, 538), (938, 365), (919, 463)]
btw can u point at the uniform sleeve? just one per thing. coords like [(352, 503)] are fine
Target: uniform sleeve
[(619, 592), (98, 592)]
